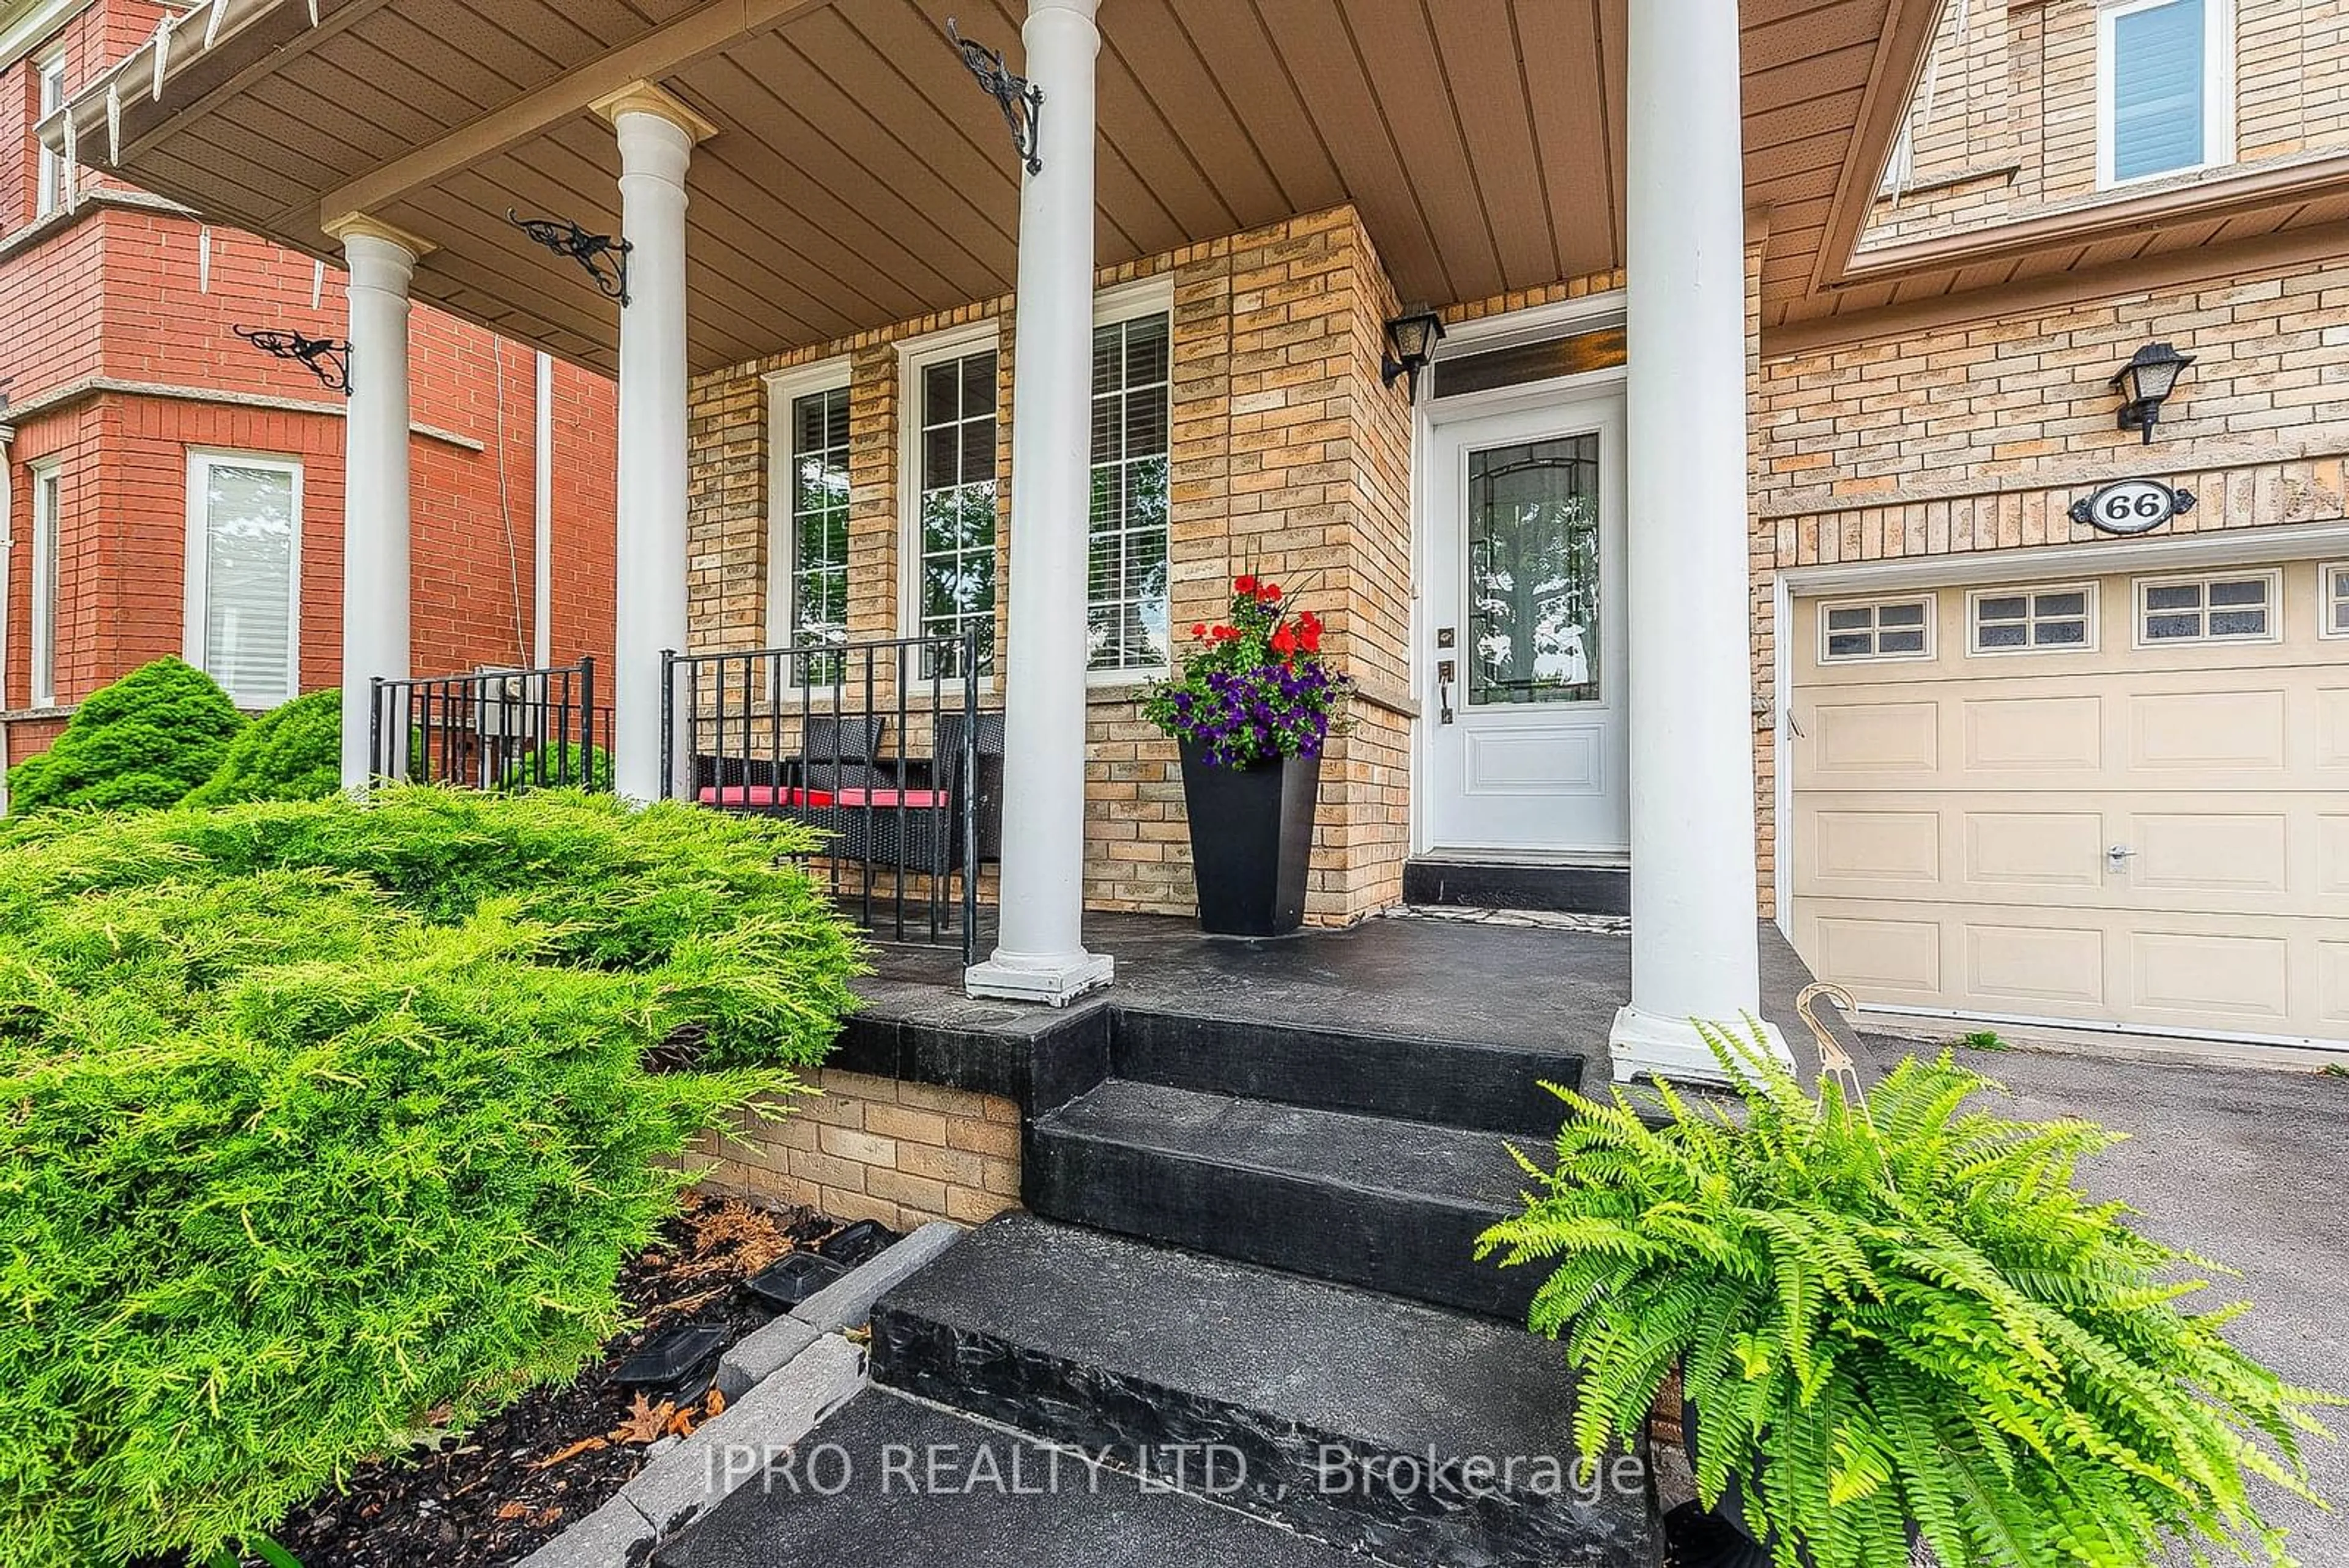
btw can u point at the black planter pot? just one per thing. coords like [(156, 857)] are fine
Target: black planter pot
[(1251, 841)]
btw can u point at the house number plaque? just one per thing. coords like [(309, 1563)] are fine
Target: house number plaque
[(2133, 507)]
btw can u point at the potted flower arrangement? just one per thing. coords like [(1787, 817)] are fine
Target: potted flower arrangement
[(1900, 1327), (1252, 709)]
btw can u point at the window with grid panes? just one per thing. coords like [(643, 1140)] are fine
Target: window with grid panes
[(819, 532), (1127, 593), (957, 507)]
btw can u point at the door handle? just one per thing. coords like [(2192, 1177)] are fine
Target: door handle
[(1443, 673), (2117, 857)]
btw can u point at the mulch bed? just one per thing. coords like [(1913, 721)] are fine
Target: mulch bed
[(557, 1454)]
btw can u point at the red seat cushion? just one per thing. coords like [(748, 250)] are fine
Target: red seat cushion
[(754, 797)]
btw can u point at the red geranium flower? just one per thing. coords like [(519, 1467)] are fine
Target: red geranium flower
[(1246, 585), (1225, 633), (1283, 642), (1269, 593), (1200, 629)]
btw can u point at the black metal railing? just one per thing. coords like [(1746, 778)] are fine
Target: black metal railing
[(497, 729), (874, 743)]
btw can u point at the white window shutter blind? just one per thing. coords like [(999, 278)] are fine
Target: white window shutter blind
[(2159, 76), (249, 582)]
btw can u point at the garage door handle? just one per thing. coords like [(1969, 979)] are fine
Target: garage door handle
[(2120, 855)]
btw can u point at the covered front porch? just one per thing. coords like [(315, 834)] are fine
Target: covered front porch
[(771, 212)]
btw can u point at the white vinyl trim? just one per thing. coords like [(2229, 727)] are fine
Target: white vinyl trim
[(2218, 90), (785, 389), (199, 589), (41, 654)]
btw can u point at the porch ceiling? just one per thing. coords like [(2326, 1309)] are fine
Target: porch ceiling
[(859, 177)]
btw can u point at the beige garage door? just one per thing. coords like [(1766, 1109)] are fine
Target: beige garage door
[(2120, 801)]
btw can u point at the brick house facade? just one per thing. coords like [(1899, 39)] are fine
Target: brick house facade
[(121, 365)]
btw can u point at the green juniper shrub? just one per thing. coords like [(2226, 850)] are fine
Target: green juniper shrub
[(561, 765), (144, 742), (330, 1123), (293, 753), (1901, 1315)]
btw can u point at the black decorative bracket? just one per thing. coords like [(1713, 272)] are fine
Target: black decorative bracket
[(1021, 99), (328, 359), (605, 258)]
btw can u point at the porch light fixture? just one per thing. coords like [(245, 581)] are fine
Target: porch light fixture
[(328, 359), (2146, 382), (605, 258), (1021, 100), (1410, 348)]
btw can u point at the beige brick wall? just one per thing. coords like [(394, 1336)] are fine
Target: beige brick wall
[(1290, 460), (875, 1148), (1979, 436), (2009, 128)]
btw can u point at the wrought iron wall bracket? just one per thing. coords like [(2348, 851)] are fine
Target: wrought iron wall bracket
[(328, 359), (1022, 102), (605, 258)]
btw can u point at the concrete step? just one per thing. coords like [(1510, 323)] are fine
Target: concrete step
[(890, 1483), (1392, 1205), (1405, 1431), (1487, 885), (1452, 1082)]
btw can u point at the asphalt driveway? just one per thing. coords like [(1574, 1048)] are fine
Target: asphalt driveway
[(2248, 1167)]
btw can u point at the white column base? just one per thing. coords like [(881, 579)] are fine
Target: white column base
[(1055, 981), (1644, 1045)]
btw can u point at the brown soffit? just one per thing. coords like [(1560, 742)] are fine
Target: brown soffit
[(2056, 290)]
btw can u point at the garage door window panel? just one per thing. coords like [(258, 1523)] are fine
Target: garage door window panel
[(2332, 612), (1863, 630), (2056, 619), (2207, 609)]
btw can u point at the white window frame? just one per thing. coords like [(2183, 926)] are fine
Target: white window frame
[(1876, 605), (49, 172), (785, 389), (2329, 596), (2139, 587), (1152, 295), (2218, 90), (41, 636), (2029, 593), (201, 461), (915, 355)]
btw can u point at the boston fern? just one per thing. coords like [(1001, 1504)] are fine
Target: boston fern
[(1902, 1315)]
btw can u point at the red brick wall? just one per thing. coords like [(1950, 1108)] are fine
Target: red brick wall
[(126, 293)]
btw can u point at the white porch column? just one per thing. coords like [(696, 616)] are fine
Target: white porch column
[(1041, 954), (657, 133), (1694, 908), (376, 518)]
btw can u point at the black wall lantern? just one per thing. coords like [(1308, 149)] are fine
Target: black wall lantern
[(1411, 346), (2146, 382)]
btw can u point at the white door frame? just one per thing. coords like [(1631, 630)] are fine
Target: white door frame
[(1492, 332)]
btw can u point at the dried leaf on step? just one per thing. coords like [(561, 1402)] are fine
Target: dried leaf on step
[(717, 1402), (585, 1446), (647, 1422), (681, 1424)]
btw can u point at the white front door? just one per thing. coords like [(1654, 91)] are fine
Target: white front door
[(1522, 675)]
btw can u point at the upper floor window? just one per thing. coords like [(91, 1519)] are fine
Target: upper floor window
[(1126, 591), (244, 575), (48, 512), (49, 184), (2165, 88), (952, 525)]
